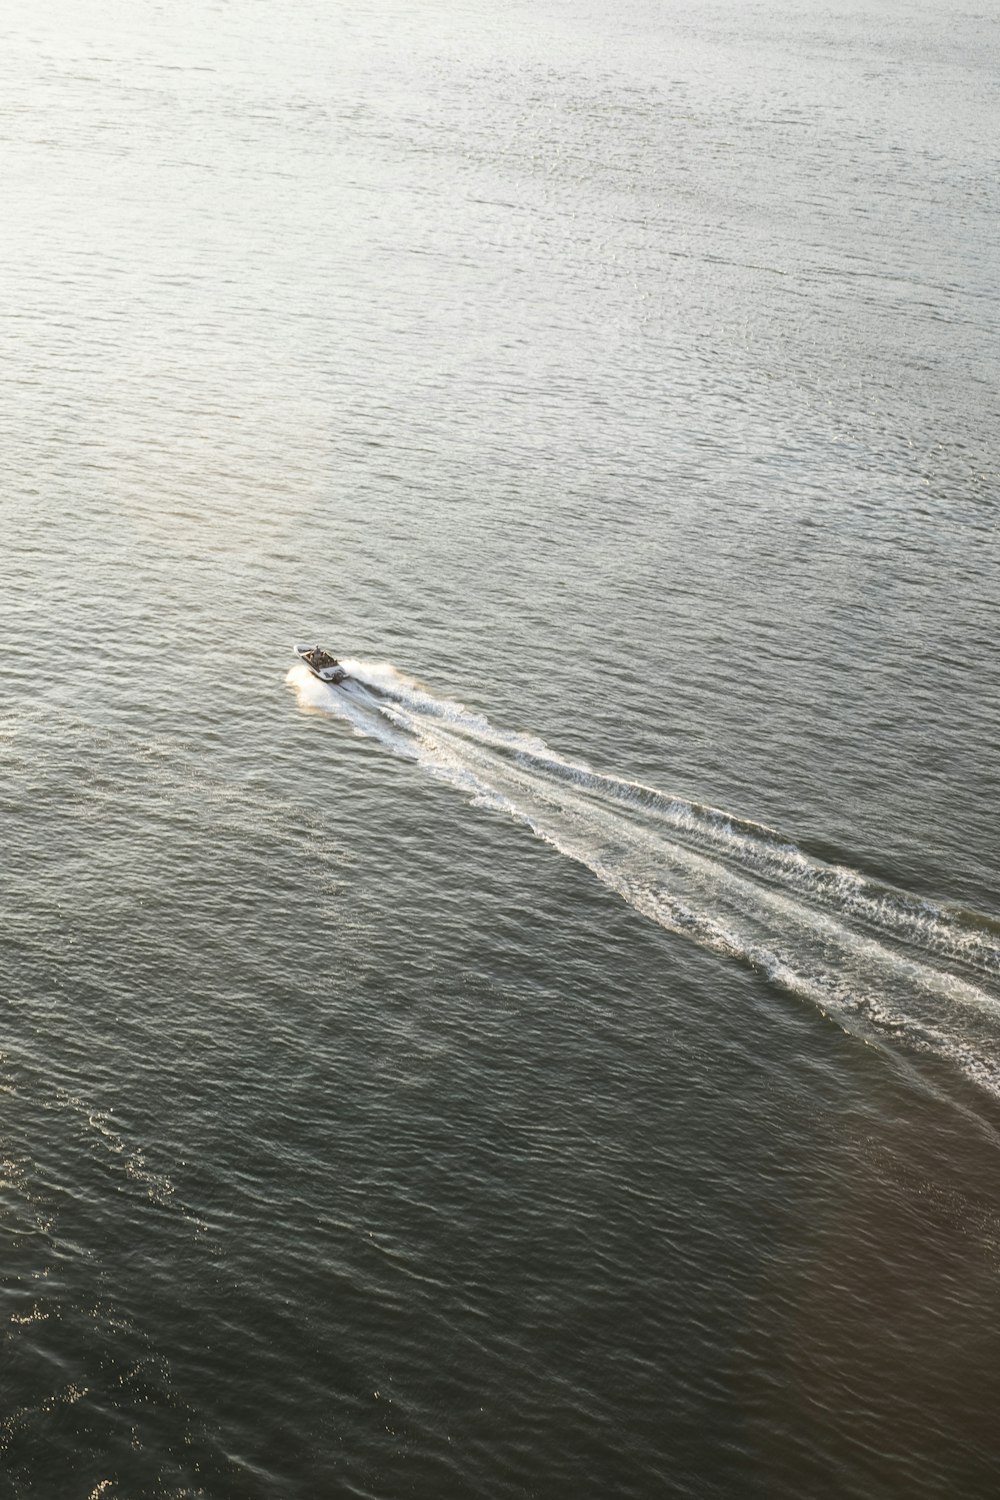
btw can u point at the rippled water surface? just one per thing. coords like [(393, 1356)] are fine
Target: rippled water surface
[(564, 1061)]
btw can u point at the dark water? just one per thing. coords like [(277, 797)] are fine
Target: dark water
[(565, 1062)]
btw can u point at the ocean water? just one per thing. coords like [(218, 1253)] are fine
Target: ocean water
[(564, 1061)]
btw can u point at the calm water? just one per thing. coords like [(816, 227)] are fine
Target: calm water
[(565, 1063)]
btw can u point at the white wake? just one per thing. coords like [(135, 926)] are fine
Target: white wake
[(878, 960)]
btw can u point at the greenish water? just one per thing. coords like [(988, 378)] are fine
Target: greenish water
[(566, 1060)]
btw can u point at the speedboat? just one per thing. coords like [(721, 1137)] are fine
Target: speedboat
[(321, 664)]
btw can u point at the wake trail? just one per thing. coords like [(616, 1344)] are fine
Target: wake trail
[(878, 959)]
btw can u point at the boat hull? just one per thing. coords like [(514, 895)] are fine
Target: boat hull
[(323, 666)]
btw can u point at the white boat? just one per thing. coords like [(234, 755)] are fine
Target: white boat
[(321, 664)]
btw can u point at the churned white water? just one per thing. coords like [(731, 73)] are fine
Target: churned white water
[(870, 955)]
